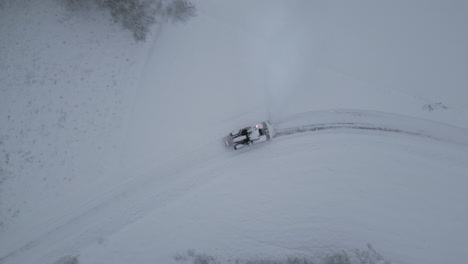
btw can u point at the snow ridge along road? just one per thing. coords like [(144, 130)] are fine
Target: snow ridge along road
[(126, 203)]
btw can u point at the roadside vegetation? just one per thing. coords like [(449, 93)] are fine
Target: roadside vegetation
[(357, 256), (137, 16)]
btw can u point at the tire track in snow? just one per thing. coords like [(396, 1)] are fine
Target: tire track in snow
[(116, 208), (375, 121), (330, 126)]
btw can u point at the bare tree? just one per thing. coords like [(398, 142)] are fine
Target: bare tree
[(135, 15), (181, 10)]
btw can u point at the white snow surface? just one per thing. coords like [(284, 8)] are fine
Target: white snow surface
[(111, 149)]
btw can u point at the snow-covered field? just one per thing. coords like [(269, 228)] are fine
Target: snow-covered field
[(111, 149)]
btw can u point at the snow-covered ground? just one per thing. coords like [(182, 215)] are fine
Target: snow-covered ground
[(111, 150)]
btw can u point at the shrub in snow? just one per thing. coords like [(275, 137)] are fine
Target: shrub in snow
[(358, 256), (369, 256), (134, 15), (337, 258), (67, 260), (434, 106), (138, 15), (204, 259), (180, 10)]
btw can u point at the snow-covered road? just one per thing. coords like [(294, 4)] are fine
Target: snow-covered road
[(121, 205)]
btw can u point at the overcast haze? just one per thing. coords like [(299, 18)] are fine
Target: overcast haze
[(111, 148)]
